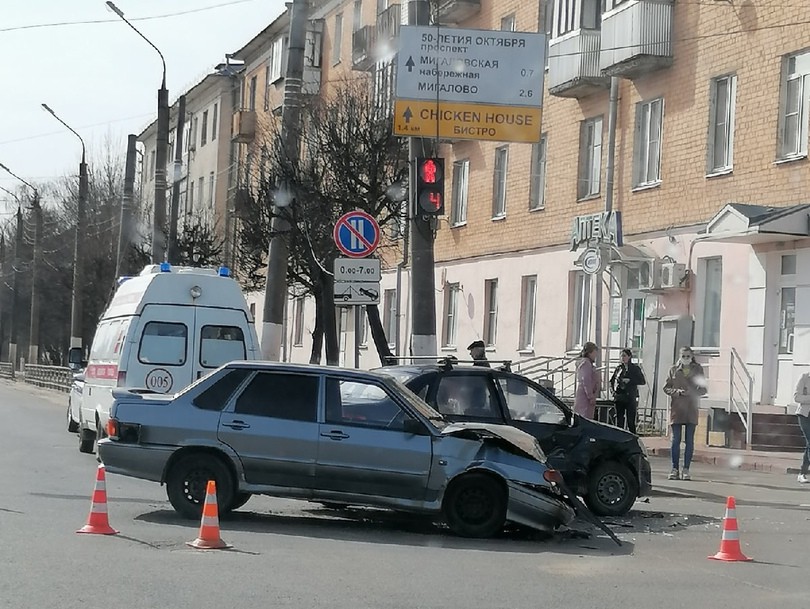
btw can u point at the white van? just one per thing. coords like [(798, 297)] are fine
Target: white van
[(163, 329)]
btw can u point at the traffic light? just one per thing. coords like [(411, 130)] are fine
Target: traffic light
[(430, 186)]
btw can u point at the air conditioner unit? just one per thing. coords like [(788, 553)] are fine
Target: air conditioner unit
[(673, 275), (649, 274)]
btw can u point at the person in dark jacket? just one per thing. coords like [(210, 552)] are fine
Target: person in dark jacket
[(626, 379), (478, 351)]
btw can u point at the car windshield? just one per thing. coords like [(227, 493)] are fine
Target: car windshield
[(418, 405)]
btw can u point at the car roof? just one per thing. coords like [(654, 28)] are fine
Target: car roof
[(312, 368)]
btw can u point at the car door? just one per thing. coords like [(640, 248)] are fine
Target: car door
[(466, 396), (272, 426), (163, 350), (219, 339), (363, 447)]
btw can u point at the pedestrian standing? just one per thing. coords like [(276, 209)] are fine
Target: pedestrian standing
[(588, 383), (626, 379), (685, 385), (478, 351), (802, 398)]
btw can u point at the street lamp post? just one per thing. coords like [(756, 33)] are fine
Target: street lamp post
[(161, 154), (33, 337), (78, 247)]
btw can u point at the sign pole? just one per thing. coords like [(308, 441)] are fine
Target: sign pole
[(358, 318)]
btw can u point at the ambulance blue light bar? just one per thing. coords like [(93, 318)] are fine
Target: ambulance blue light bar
[(165, 267), (224, 271)]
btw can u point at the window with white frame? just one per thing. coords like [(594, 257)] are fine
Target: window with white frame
[(450, 325), (390, 316), (793, 117), (499, 187), (537, 179), (508, 23), (204, 133), (214, 120), (211, 179), (298, 321), (611, 4), (721, 124), (195, 124), (201, 191), (337, 38), (276, 60), (590, 157), (580, 314), (461, 179), (357, 15), (190, 198), (647, 161), (712, 301), (251, 98), (490, 312), (571, 15), (528, 304)]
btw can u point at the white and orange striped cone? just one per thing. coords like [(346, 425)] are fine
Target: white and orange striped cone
[(730, 550), (209, 538), (97, 522)]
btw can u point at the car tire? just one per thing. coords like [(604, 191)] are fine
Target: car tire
[(612, 489), (188, 478), (87, 441), (475, 506), (72, 424), (240, 500)]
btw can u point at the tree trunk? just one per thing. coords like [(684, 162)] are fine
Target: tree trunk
[(317, 332), (378, 334), (329, 321)]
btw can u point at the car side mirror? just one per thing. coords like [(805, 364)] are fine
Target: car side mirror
[(412, 426), (75, 356)]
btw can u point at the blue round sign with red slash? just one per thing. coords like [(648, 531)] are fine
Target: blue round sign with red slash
[(357, 234)]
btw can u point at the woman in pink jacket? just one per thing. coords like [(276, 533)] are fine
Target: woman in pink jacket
[(588, 382)]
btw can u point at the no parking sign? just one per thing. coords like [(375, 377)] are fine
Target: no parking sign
[(356, 234)]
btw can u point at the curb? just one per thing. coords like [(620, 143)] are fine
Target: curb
[(746, 464)]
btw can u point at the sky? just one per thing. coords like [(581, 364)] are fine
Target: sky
[(102, 78)]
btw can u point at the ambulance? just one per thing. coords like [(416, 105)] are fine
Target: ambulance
[(163, 329)]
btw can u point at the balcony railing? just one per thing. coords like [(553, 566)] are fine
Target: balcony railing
[(244, 126), (388, 23), (363, 42), (456, 11), (637, 38), (573, 65)]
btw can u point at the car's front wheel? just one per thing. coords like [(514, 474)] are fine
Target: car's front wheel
[(187, 481), (475, 506), (612, 489)]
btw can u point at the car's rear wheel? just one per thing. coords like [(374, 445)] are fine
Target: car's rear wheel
[(475, 506), (72, 424), (87, 441), (612, 489), (188, 478)]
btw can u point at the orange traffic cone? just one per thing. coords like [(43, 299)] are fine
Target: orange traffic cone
[(97, 522), (209, 538), (730, 550)]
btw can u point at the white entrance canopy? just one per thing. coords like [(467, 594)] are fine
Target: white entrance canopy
[(742, 223)]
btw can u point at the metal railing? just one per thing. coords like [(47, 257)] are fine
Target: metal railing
[(6, 370), (48, 377), (741, 393)]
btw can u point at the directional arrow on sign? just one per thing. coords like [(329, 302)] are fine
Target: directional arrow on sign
[(410, 64), (407, 115)]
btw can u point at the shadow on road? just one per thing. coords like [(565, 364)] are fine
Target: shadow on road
[(392, 528)]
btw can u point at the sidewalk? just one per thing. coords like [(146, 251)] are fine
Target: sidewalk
[(750, 460)]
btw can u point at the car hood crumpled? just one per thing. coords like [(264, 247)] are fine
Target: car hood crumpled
[(522, 441)]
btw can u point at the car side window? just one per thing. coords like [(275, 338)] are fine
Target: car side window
[(163, 343), (220, 345), (525, 403), (467, 396), (281, 396), (218, 394), (363, 404)]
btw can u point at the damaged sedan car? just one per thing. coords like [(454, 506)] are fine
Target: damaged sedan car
[(330, 435)]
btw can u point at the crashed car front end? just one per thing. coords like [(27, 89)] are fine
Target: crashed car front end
[(535, 495)]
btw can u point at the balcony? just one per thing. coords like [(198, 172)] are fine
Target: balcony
[(388, 23), (243, 128), (457, 11), (637, 38), (363, 41), (573, 65)]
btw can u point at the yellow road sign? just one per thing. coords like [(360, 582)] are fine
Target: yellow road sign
[(459, 121)]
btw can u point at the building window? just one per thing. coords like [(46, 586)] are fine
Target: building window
[(795, 100), (649, 120), (491, 312), (211, 190), (580, 309), (337, 38), (721, 124), (499, 190), (195, 129), (357, 20), (571, 15), (508, 23), (190, 207), (201, 191), (789, 264), (590, 157), (450, 326), (537, 180), (298, 321), (611, 4), (461, 179), (276, 61), (381, 5), (528, 303), (712, 299), (214, 117), (390, 316), (362, 329), (204, 132), (787, 320), (252, 94)]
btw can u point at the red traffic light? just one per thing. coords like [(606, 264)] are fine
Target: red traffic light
[(431, 201), (429, 171)]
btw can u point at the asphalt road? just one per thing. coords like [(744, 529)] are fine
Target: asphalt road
[(296, 554)]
